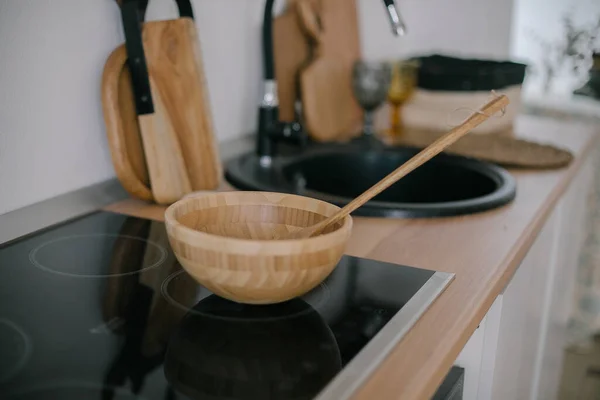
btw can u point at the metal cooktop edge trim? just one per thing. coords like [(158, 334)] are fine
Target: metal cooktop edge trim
[(353, 375), (59, 209)]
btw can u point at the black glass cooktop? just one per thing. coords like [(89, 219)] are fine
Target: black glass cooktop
[(99, 308)]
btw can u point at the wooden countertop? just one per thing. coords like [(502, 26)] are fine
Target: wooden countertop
[(483, 250)]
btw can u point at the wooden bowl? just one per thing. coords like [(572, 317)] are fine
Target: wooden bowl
[(223, 240)]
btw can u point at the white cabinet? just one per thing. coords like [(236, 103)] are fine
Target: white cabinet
[(516, 352), (521, 320), (559, 298), (470, 360)]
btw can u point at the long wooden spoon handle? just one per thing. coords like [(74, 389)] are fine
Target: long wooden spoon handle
[(422, 157)]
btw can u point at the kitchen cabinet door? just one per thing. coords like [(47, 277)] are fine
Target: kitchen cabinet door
[(500, 357), (572, 213), (517, 351), (525, 330), (470, 359), (521, 320)]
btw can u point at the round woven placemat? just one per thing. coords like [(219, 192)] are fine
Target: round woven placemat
[(501, 149)]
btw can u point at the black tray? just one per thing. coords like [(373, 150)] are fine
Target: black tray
[(445, 73)]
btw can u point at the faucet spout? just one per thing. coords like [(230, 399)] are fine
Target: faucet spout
[(270, 129), (398, 26)]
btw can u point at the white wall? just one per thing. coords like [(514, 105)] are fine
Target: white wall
[(479, 28), (51, 128), (52, 137)]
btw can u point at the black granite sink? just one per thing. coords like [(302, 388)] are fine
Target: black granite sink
[(445, 186)]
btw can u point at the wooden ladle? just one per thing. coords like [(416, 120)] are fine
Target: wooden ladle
[(478, 117)]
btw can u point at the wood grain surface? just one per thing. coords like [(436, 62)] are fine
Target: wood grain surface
[(122, 127), (131, 127), (223, 240), (318, 72), (177, 153), (291, 52), (175, 65), (163, 152), (483, 250), (329, 107)]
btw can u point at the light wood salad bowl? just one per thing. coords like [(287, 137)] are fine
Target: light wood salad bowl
[(224, 241)]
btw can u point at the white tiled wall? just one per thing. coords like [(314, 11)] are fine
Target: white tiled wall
[(52, 137)]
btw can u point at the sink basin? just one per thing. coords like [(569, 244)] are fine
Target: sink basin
[(445, 186)]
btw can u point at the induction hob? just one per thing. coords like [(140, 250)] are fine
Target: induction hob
[(99, 308)]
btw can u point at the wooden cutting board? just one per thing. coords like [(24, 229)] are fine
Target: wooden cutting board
[(179, 147), (291, 50), (318, 70), (330, 110)]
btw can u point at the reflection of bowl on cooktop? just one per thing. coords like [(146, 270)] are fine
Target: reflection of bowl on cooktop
[(182, 291), (251, 352)]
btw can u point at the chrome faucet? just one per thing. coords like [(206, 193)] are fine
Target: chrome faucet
[(270, 129), (398, 26)]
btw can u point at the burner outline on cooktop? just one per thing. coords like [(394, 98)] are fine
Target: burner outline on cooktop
[(323, 288), (119, 391), (27, 351), (34, 261)]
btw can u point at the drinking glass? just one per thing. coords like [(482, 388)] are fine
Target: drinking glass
[(402, 87), (370, 84)]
